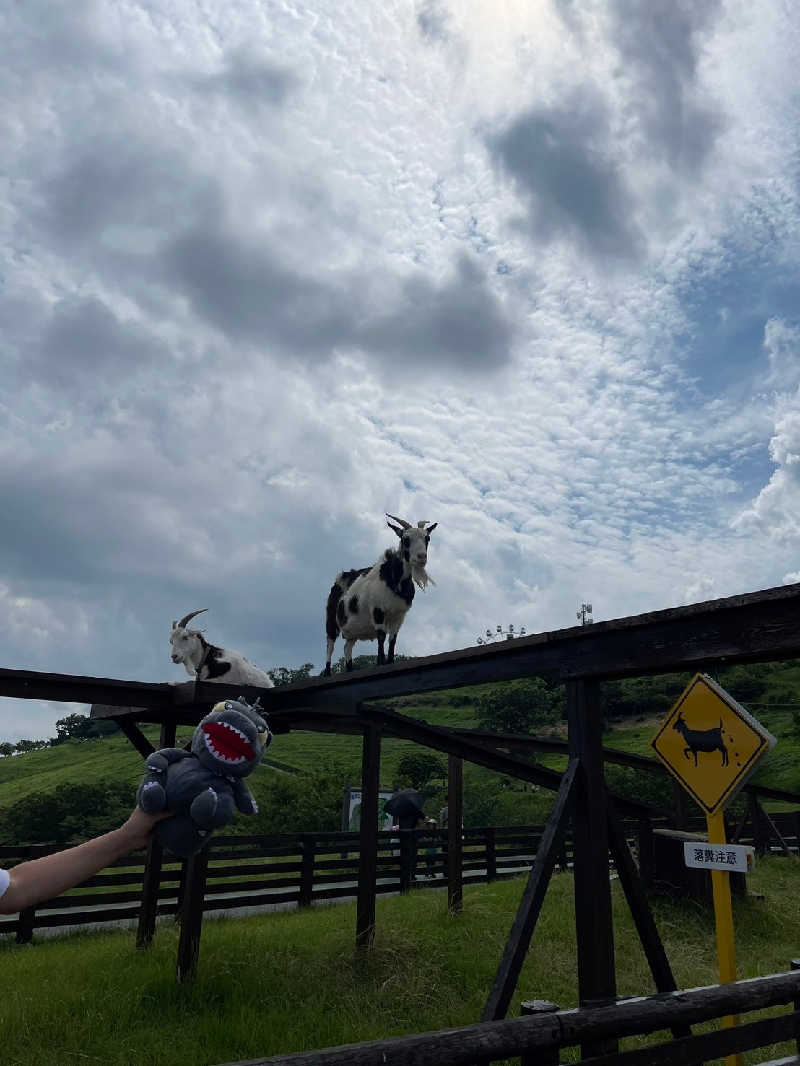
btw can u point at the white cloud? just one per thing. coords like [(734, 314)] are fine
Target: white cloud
[(270, 272)]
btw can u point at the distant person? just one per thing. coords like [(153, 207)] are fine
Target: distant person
[(432, 851), (37, 880), (443, 815)]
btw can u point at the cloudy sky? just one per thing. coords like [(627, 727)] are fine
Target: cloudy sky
[(527, 268)]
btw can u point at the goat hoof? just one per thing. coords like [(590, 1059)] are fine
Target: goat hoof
[(327, 669), (349, 667)]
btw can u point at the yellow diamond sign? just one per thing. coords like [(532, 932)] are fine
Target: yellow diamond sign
[(710, 743)]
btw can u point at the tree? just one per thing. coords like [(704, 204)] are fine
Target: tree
[(6, 749), (519, 706), (297, 803), (24, 746), (69, 812), (361, 662), (82, 727), (417, 768), (285, 675)]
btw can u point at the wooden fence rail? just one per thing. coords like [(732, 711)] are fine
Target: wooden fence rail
[(540, 1036), (253, 871)]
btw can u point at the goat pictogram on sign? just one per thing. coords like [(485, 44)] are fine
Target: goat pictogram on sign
[(710, 743)]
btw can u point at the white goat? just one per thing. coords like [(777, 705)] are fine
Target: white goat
[(207, 662), (368, 604)]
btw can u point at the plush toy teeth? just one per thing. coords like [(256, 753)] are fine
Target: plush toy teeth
[(227, 743)]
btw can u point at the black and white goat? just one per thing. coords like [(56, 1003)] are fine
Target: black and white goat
[(372, 603), (207, 662)]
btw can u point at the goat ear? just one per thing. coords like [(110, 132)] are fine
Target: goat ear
[(395, 529), (430, 529), (174, 624)]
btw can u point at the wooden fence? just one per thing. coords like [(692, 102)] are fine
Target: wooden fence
[(262, 871), (539, 1036), (306, 868)]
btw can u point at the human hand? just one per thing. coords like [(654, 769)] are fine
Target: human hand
[(138, 828)]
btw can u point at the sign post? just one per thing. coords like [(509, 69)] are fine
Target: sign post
[(711, 744)]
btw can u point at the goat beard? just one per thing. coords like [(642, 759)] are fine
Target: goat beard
[(420, 577)]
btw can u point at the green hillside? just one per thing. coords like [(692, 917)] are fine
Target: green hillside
[(633, 709)]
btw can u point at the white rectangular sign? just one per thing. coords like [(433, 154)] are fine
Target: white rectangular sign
[(733, 858)]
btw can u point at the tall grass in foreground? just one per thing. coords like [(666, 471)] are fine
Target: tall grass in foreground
[(288, 982)]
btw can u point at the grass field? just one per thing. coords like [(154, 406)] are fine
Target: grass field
[(288, 982)]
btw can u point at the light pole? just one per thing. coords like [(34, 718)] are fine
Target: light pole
[(584, 615), (511, 633)]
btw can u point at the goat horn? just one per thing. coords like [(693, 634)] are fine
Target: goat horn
[(187, 618), (422, 524), (405, 525)]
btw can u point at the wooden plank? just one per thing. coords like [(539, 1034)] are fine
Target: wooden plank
[(523, 743), (439, 739), (516, 949), (489, 1041), (593, 919), (192, 915), (696, 1050), (455, 821), (72, 688), (368, 832)]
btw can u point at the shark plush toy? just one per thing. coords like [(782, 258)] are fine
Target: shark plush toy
[(202, 786)]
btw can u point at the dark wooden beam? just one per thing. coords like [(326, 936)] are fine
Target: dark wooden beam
[(516, 949), (521, 743), (136, 737), (455, 821), (194, 888), (444, 740), (368, 834), (71, 688), (151, 878), (643, 918), (488, 1042), (758, 627)]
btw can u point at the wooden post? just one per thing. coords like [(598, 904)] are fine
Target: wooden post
[(455, 821), (760, 832), (153, 863), (549, 1056), (772, 830), (491, 854), (407, 856), (308, 846), (593, 919), (151, 883), (368, 855), (645, 837), (681, 802), (25, 925), (796, 819), (192, 914), (796, 966)]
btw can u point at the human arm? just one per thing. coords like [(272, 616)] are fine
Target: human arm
[(41, 879)]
